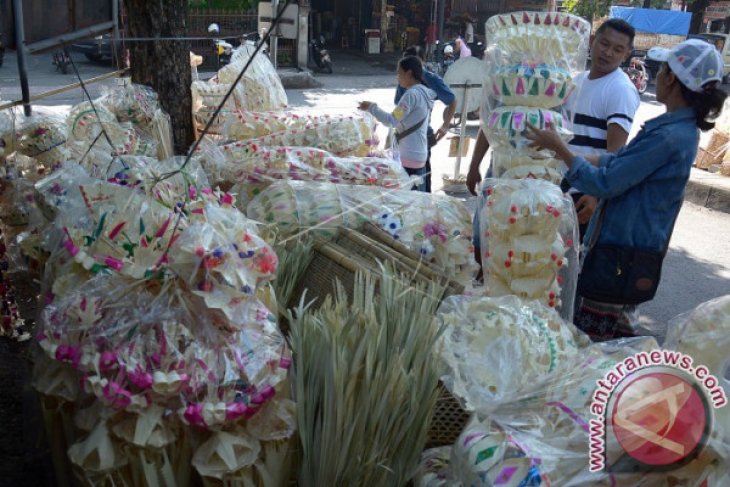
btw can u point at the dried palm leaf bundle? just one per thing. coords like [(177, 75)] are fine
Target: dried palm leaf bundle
[(366, 382)]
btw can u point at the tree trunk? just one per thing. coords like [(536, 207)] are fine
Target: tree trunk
[(164, 65), (698, 12)]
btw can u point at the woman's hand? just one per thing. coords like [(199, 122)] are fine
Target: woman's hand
[(365, 105), (549, 139)]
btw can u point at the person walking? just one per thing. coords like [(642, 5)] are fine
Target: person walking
[(409, 118), (641, 190), (444, 95)]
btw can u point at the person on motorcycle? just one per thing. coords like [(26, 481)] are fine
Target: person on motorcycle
[(448, 57)]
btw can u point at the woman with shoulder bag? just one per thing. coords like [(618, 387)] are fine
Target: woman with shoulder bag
[(641, 190), (410, 118)]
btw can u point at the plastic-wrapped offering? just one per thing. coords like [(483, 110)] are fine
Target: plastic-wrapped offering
[(437, 227), (509, 164), (342, 136), (244, 163), (704, 335), (43, 137), (505, 127), (433, 470), (207, 96), (495, 348), (262, 86), (551, 38), (222, 258), (133, 103), (529, 241), (7, 133), (85, 126), (540, 86)]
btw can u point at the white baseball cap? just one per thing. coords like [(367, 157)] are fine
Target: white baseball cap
[(695, 62)]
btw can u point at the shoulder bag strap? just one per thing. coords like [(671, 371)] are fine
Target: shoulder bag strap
[(409, 130)]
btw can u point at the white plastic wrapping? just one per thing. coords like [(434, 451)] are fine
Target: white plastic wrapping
[(250, 168), (343, 135), (496, 348), (529, 242), (437, 227), (553, 39), (43, 138), (704, 335)]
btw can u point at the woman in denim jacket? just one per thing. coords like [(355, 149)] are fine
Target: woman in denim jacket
[(642, 186)]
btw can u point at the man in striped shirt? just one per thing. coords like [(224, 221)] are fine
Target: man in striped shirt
[(603, 104)]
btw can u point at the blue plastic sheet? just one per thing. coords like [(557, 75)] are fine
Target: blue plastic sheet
[(672, 22)]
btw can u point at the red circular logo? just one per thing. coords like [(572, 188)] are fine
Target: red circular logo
[(660, 419)]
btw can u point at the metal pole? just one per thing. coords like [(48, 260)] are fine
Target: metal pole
[(274, 37), (63, 89), (462, 130), (22, 65), (115, 20), (441, 10)]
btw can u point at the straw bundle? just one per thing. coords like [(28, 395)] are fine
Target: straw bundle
[(365, 382)]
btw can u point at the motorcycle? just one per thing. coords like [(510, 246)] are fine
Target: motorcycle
[(637, 73), (441, 58), (62, 61), (320, 55)]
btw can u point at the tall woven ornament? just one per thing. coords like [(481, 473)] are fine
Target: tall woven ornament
[(527, 226)]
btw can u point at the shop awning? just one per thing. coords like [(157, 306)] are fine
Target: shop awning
[(672, 22)]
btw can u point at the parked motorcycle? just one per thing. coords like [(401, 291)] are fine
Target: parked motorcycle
[(320, 55), (62, 61), (441, 58), (636, 70), (477, 49)]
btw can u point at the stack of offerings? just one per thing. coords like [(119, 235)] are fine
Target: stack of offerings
[(540, 428), (528, 225), (259, 89), (157, 355)]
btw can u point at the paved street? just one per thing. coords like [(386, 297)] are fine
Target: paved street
[(696, 269)]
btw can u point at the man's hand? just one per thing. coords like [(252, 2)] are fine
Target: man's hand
[(364, 105), (473, 178), (585, 206)]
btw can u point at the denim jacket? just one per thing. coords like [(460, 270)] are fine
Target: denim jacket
[(642, 186)]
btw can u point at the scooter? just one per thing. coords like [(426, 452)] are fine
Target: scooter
[(637, 73), (61, 60), (320, 55)]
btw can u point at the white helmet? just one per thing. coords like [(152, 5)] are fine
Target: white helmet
[(449, 50)]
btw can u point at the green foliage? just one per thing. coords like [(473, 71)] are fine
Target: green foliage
[(599, 8), (588, 8), (223, 4)]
